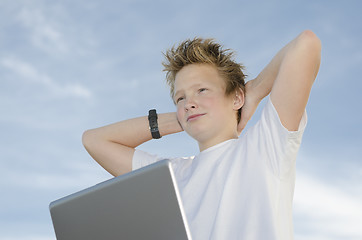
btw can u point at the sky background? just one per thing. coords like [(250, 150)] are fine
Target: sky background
[(67, 66)]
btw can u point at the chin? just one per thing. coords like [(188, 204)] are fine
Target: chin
[(200, 136)]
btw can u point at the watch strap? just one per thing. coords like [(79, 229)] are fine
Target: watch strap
[(152, 119)]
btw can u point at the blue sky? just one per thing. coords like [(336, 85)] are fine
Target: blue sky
[(67, 66)]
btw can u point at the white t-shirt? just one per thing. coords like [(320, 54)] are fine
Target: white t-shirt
[(241, 188)]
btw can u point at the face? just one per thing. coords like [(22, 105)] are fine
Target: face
[(203, 109)]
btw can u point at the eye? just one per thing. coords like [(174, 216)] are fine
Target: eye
[(202, 90), (179, 99)]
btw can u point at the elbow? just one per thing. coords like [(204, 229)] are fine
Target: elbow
[(310, 44), (88, 138), (310, 40), (309, 34)]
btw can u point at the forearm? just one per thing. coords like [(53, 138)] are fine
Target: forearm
[(134, 132), (113, 146), (263, 83), (288, 78)]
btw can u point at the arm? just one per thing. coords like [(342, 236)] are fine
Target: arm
[(113, 146), (288, 78)]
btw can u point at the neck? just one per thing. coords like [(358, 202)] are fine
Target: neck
[(212, 142)]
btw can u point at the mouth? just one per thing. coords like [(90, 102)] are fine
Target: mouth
[(194, 117)]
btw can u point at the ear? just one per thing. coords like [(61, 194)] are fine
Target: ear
[(238, 99)]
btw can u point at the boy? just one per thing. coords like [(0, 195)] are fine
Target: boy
[(236, 187)]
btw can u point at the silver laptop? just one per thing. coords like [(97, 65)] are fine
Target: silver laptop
[(143, 204)]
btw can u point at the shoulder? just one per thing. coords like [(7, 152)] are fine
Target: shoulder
[(270, 123), (142, 159), (272, 143), (271, 119), (269, 136)]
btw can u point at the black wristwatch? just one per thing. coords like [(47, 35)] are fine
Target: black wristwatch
[(152, 119)]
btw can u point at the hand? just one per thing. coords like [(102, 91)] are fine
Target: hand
[(251, 102)]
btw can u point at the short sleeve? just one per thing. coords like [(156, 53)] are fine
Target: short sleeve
[(271, 116), (142, 159), (280, 145)]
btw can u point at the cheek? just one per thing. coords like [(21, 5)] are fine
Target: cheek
[(180, 113), (208, 102)]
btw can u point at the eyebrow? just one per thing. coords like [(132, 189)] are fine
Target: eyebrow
[(192, 86)]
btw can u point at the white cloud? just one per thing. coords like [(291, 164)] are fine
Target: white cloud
[(53, 181), (45, 34), (64, 176), (326, 210), (75, 89), (30, 73)]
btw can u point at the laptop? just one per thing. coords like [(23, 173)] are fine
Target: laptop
[(142, 204)]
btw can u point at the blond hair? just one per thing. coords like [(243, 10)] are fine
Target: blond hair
[(205, 51)]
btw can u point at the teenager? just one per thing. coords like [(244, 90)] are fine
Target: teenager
[(240, 186)]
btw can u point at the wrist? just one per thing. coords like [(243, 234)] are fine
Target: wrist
[(257, 89), (153, 124), (168, 123)]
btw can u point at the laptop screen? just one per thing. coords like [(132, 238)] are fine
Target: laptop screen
[(143, 204)]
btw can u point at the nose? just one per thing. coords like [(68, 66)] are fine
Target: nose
[(190, 104)]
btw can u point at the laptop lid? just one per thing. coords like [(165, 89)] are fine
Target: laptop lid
[(142, 204)]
